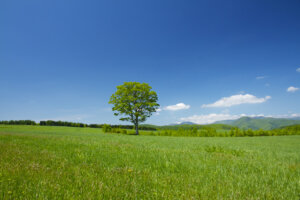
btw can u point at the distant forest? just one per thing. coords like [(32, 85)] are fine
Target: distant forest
[(70, 124)]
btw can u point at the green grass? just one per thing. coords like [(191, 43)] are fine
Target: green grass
[(84, 163)]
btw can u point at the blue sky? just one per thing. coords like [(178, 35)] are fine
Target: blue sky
[(207, 60)]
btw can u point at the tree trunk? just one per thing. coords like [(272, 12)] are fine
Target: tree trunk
[(136, 128)]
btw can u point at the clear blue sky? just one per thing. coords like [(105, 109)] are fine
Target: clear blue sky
[(62, 60)]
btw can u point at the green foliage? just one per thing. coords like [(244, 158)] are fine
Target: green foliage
[(106, 128), (134, 102), (73, 124), (234, 132), (19, 122), (53, 162), (211, 132), (62, 123)]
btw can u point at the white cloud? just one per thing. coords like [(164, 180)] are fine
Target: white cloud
[(292, 89), (260, 77), (208, 119), (287, 116), (298, 70), (237, 100), (295, 115), (158, 110), (71, 118), (179, 106), (290, 115)]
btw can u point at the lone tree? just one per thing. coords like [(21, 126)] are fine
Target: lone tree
[(135, 102)]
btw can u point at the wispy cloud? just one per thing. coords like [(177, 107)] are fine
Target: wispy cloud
[(260, 77), (237, 100), (298, 70), (292, 89), (158, 110), (208, 119), (179, 106), (291, 115), (71, 118)]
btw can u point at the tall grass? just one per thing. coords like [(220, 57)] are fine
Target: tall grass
[(83, 163), (210, 132)]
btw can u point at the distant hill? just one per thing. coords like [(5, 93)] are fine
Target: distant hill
[(266, 123), (255, 123), (229, 122), (182, 123), (292, 128), (296, 118)]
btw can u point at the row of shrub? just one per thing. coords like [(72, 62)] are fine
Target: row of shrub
[(70, 124), (62, 123), (19, 122), (210, 132)]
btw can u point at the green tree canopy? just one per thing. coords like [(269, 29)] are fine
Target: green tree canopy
[(134, 102)]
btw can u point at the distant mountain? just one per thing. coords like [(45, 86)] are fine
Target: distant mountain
[(255, 123), (266, 123), (190, 123), (295, 118), (229, 122), (182, 123)]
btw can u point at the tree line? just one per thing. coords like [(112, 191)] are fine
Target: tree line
[(210, 132), (70, 124), (19, 122), (195, 131)]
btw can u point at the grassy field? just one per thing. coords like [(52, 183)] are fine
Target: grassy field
[(84, 163)]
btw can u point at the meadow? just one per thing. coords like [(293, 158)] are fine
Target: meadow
[(43, 162)]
